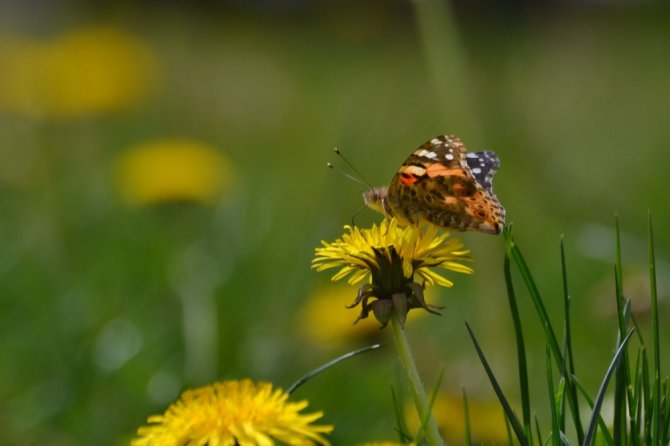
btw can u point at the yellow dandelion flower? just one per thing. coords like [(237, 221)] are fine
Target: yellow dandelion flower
[(89, 70), (234, 413), (392, 258), (172, 170)]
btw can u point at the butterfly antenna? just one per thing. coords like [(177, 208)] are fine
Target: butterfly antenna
[(351, 177), (353, 217), (362, 178)]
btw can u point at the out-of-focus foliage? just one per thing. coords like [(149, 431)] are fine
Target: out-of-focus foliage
[(108, 311)]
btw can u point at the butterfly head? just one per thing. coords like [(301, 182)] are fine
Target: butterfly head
[(374, 198)]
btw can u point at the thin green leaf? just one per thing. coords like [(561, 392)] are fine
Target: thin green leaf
[(637, 422), (646, 395), (510, 439), (560, 403), (589, 401), (328, 365), (541, 310), (568, 358), (555, 425), (621, 313), (401, 427), (511, 416), (544, 319), (621, 380), (666, 412), (466, 412), (588, 438), (425, 417), (537, 430), (656, 341), (520, 345)]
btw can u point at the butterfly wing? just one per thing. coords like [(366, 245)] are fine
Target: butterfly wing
[(483, 166), (437, 185)]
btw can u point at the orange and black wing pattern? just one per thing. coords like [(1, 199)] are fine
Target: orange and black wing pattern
[(441, 184)]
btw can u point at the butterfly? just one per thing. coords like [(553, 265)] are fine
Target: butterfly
[(444, 185)]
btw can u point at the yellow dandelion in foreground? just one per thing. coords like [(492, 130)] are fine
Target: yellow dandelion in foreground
[(172, 170), (392, 258), (234, 413)]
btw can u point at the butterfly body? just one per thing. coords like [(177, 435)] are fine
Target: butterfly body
[(441, 184)]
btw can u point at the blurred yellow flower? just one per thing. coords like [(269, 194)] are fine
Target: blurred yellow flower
[(89, 70), (487, 421), (172, 170), (326, 320), (233, 413)]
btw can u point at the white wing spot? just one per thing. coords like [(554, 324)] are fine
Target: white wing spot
[(427, 154), (434, 141), (471, 155), (476, 170), (449, 156)]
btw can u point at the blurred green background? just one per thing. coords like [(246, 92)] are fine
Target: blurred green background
[(163, 186)]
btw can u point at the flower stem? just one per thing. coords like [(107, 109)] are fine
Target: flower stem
[(414, 382)]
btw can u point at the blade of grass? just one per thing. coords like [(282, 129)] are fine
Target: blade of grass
[(666, 412), (520, 345), (621, 379), (619, 406), (560, 400), (555, 425), (401, 427), (328, 365), (588, 438), (510, 439), (656, 393), (620, 304), (640, 397), (636, 401), (589, 401), (541, 311), (646, 395), (425, 417), (466, 412), (537, 430), (511, 416), (569, 361)]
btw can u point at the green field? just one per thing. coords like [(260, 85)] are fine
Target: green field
[(125, 279)]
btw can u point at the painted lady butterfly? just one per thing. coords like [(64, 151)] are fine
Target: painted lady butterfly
[(440, 183)]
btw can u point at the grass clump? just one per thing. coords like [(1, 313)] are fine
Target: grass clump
[(641, 397)]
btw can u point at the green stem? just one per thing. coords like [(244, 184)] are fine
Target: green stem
[(414, 382)]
